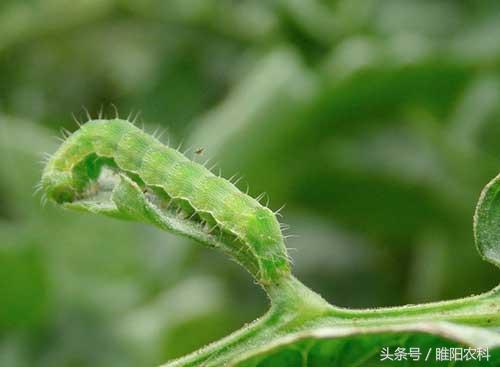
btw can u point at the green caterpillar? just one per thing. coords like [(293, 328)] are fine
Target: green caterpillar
[(113, 167)]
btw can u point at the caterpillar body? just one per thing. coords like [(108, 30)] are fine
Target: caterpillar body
[(158, 184)]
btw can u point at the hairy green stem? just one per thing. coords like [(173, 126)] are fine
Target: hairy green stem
[(295, 308)]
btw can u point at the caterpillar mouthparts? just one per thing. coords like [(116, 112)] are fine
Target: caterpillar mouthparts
[(112, 167)]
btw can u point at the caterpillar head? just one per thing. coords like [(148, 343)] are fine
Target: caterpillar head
[(58, 187)]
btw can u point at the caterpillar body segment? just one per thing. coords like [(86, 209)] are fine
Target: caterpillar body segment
[(114, 168)]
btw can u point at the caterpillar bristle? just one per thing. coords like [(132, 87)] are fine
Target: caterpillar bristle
[(155, 131), (43, 200), (43, 161), (278, 211), (237, 180), (129, 116), (260, 197), (234, 179), (204, 164), (285, 257), (87, 113), (284, 227), (136, 117), (37, 188), (117, 115), (60, 139), (211, 168), (158, 133), (78, 123), (65, 132)]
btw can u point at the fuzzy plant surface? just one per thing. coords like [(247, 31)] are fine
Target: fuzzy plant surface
[(111, 167)]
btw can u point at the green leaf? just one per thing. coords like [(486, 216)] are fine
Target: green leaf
[(487, 222), (357, 346)]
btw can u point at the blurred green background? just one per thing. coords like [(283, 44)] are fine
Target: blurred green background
[(376, 122)]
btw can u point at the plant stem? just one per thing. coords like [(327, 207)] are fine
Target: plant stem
[(480, 310), (292, 305), (295, 307)]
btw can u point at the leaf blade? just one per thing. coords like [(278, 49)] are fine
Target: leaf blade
[(487, 222), (353, 346)]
